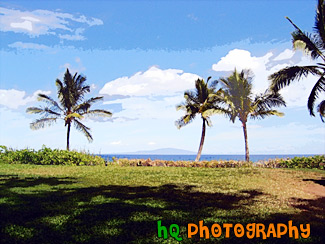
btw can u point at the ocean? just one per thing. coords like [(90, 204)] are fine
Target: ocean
[(253, 158)]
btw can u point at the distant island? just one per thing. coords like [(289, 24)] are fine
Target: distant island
[(163, 151)]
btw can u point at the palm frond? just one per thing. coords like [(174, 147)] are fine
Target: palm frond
[(34, 110), (216, 110), (319, 22), (84, 129), (46, 111), (184, 120), (98, 112), (73, 116), (50, 111), (285, 76), (181, 106), (268, 100), (83, 107), (41, 123), (261, 114), (49, 100), (208, 121), (306, 42), (318, 87), (321, 110), (191, 97)]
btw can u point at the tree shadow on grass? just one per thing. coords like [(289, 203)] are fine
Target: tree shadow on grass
[(53, 210), (320, 182)]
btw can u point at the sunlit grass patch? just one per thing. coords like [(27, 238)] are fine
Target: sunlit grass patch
[(19, 232)]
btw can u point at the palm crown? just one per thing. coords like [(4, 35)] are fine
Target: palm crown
[(71, 107), (314, 46)]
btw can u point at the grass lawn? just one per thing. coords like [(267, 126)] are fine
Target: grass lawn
[(114, 204)]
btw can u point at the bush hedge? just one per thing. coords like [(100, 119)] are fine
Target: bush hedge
[(313, 162), (48, 156)]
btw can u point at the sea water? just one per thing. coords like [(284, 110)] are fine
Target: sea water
[(253, 158)]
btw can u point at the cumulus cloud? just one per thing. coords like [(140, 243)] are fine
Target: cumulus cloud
[(151, 94), (153, 82), (242, 59), (14, 98), (45, 22), (263, 66), (286, 54)]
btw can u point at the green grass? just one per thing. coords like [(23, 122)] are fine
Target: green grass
[(114, 204)]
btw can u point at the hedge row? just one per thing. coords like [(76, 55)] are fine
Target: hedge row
[(169, 163), (47, 156), (313, 162)]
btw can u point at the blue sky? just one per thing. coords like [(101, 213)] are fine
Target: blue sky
[(141, 56)]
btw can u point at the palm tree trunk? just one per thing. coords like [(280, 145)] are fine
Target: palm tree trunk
[(246, 142), (201, 143), (68, 136)]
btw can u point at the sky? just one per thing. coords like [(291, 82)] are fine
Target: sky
[(141, 56)]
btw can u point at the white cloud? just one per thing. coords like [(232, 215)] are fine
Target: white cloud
[(76, 37), (286, 54), (116, 143), (44, 22), (242, 59), (28, 45), (14, 98), (27, 25), (152, 94), (153, 82), (295, 95)]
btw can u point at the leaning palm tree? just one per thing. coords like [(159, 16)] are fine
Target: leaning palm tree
[(314, 46), (71, 108), (240, 101), (201, 101)]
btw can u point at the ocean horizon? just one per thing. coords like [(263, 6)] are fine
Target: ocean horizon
[(206, 157)]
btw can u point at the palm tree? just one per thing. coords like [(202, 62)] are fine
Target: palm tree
[(240, 101), (72, 106), (201, 101), (314, 46)]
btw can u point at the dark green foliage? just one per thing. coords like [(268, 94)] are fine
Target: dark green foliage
[(313, 162), (48, 156)]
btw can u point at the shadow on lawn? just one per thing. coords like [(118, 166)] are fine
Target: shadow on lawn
[(53, 210), (320, 182)]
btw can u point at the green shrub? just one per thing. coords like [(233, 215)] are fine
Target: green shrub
[(312, 162), (48, 156)]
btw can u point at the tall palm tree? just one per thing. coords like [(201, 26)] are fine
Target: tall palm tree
[(72, 106), (201, 101), (314, 46), (240, 101)]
